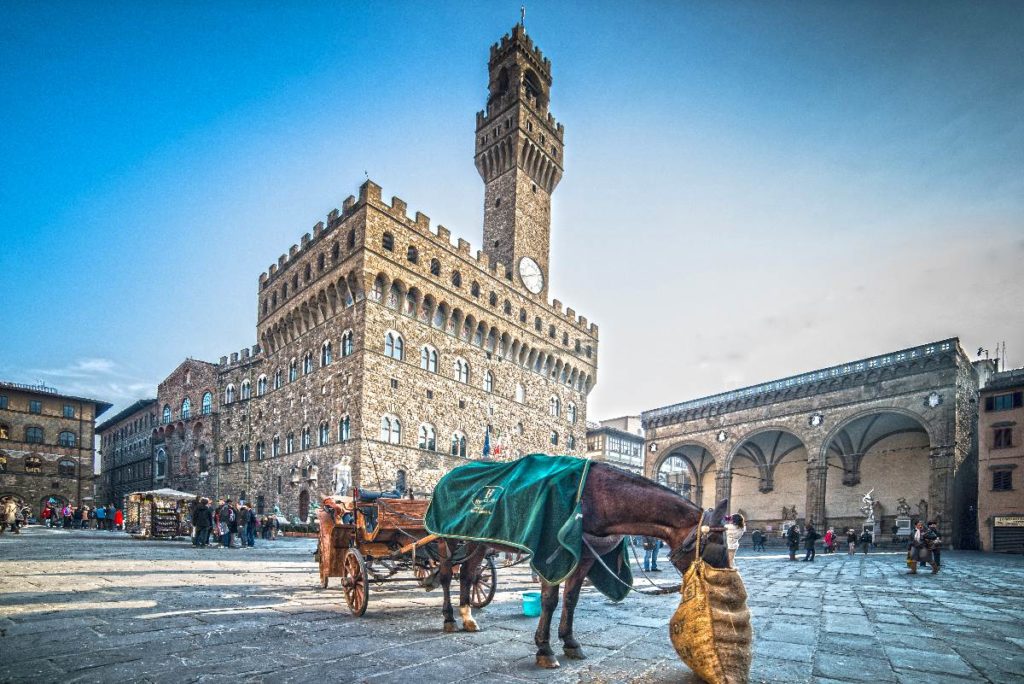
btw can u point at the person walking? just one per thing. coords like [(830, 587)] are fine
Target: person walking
[(101, 517), (651, 554), (934, 542), (243, 524), (225, 516), (9, 516), (76, 518), (734, 530), (203, 521), (851, 541), (830, 541), (917, 552), (251, 527), (865, 540), (810, 537), (793, 539), (755, 537), (118, 519), (85, 518), (110, 517)]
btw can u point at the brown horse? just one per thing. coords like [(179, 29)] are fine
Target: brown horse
[(615, 503)]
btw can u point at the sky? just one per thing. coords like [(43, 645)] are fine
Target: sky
[(751, 190)]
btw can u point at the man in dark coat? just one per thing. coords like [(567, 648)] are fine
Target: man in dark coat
[(934, 542), (227, 516), (793, 538), (243, 523), (202, 518), (810, 536)]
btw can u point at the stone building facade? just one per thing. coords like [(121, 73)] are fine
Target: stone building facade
[(46, 445), (619, 441), (1000, 462), (384, 346), (126, 452), (809, 447)]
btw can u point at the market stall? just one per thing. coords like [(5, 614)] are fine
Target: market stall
[(158, 514)]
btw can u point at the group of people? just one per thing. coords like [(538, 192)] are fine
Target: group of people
[(13, 516), (227, 520), (925, 547), (107, 517)]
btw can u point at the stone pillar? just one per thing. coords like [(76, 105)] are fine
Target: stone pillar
[(817, 477), (723, 488), (940, 490)]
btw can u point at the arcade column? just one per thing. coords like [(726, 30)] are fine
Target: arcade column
[(817, 477), (723, 488), (941, 462)]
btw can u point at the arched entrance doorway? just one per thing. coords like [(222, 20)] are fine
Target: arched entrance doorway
[(885, 451), (688, 470), (769, 473), (304, 505)]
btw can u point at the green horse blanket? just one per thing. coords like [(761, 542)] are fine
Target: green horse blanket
[(531, 504)]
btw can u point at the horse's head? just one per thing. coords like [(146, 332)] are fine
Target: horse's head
[(713, 548)]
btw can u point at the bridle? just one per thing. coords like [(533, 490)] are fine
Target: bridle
[(677, 554)]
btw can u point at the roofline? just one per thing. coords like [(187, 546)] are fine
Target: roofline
[(43, 390), (617, 431), (135, 407)]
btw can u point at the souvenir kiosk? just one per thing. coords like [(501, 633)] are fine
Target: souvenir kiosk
[(158, 514)]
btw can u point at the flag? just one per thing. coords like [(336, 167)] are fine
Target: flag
[(487, 442)]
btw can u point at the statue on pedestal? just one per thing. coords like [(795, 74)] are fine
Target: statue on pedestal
[(868, 509), (902, 507)]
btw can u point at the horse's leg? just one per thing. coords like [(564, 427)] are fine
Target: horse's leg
[(548, 602), (444, 576), (468, 574), (573, 585)]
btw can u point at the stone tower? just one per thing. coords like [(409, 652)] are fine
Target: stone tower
[(519, 149)]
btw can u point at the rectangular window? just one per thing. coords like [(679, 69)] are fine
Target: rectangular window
[(430, 394), (394, 383), (69, 411), (35, 406), (1002, 438), (1002, 480), (3, 401), (1004, 402)]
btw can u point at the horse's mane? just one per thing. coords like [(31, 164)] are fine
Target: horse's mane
[(642, 481)]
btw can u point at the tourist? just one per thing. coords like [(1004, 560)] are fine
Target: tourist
[(243, 523), (101, 517), (76, 518), (851, 541), (225, 515), (85, 518), (251, 527), (793, 539), (917, 552), (734, 530), (118, 519), (810, 536), (755, 537), (865, 540), (934, 545), (202, 521), (651, 546), (110, 517), (830, 540), (9, 516)]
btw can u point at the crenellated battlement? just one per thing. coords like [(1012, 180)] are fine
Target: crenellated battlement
[(245, 356), (519, 38)]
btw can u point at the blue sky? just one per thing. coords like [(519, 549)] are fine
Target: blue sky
[(751, 189)]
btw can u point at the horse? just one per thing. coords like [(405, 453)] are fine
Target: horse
[(615, 503)]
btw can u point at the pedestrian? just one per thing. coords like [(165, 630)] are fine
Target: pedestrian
[(243, 523), (830, 540), (251, 527), (110, 517), (851, 541), (85, 518), (866, 538), (225, 515), (65, 514), (101, 517), (76, 518), (810, 537), (9, 516), (651, 554), (793, 539), (734, 530), (755, 537), (119, 519), (202, 521), (934, 545), (917, 552)]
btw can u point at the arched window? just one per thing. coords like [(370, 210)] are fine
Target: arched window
[(278, 379), (351, 240), (325, 434), (229, 455), (571, 411), (229, 394), (186, 408), (520, 393), (161, 464), (207, 403), (435, 267), (321, 261), (570, 442), (67, 439), (458, 444), (427, 437), (307, 273), (307, 363), (555, 407), (456, 279), (377, 293), (346, 343), (243, 453), (474, 289), (388, 242), (507, 308), (335, 252), (519, 428), (261, 386), (305, 438), (344, 429), (325, 354), (488, 382), (412, 255), (246, 389), (66, 468), (289, 443), (166, 418), (293, 371), (275, 446), (428, 359), (554, 438), (462, 370), (522, 315), (492, 299), (394, 346), (261, 451), (390, 430)]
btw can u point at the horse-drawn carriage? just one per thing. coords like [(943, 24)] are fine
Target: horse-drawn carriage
[(363, 541)]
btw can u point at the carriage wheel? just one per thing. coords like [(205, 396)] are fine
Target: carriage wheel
[(354, 582), (482, 591)]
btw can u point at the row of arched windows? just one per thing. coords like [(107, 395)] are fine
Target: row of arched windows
[(290, 443), (35, 435), (271, 303), (308, 366)]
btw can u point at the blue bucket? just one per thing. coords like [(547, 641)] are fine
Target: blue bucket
[(531, 603)]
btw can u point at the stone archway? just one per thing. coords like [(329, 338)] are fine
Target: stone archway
[(766, 472), (688, 470)]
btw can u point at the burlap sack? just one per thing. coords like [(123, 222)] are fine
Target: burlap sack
[(710, 629)]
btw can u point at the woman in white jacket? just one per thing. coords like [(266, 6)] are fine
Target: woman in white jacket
[(734, 530)]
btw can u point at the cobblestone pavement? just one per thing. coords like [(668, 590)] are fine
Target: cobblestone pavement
[(99, 607)]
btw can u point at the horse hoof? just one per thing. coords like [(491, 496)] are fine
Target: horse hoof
[(470, 626), (548, 662), (449, 627), (574, 653)]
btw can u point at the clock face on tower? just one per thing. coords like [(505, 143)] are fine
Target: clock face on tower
[(531, 274)]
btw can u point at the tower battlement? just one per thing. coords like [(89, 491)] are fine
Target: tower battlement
[(518, 39)]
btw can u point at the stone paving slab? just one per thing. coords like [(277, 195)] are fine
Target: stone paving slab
[(101, 607)]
